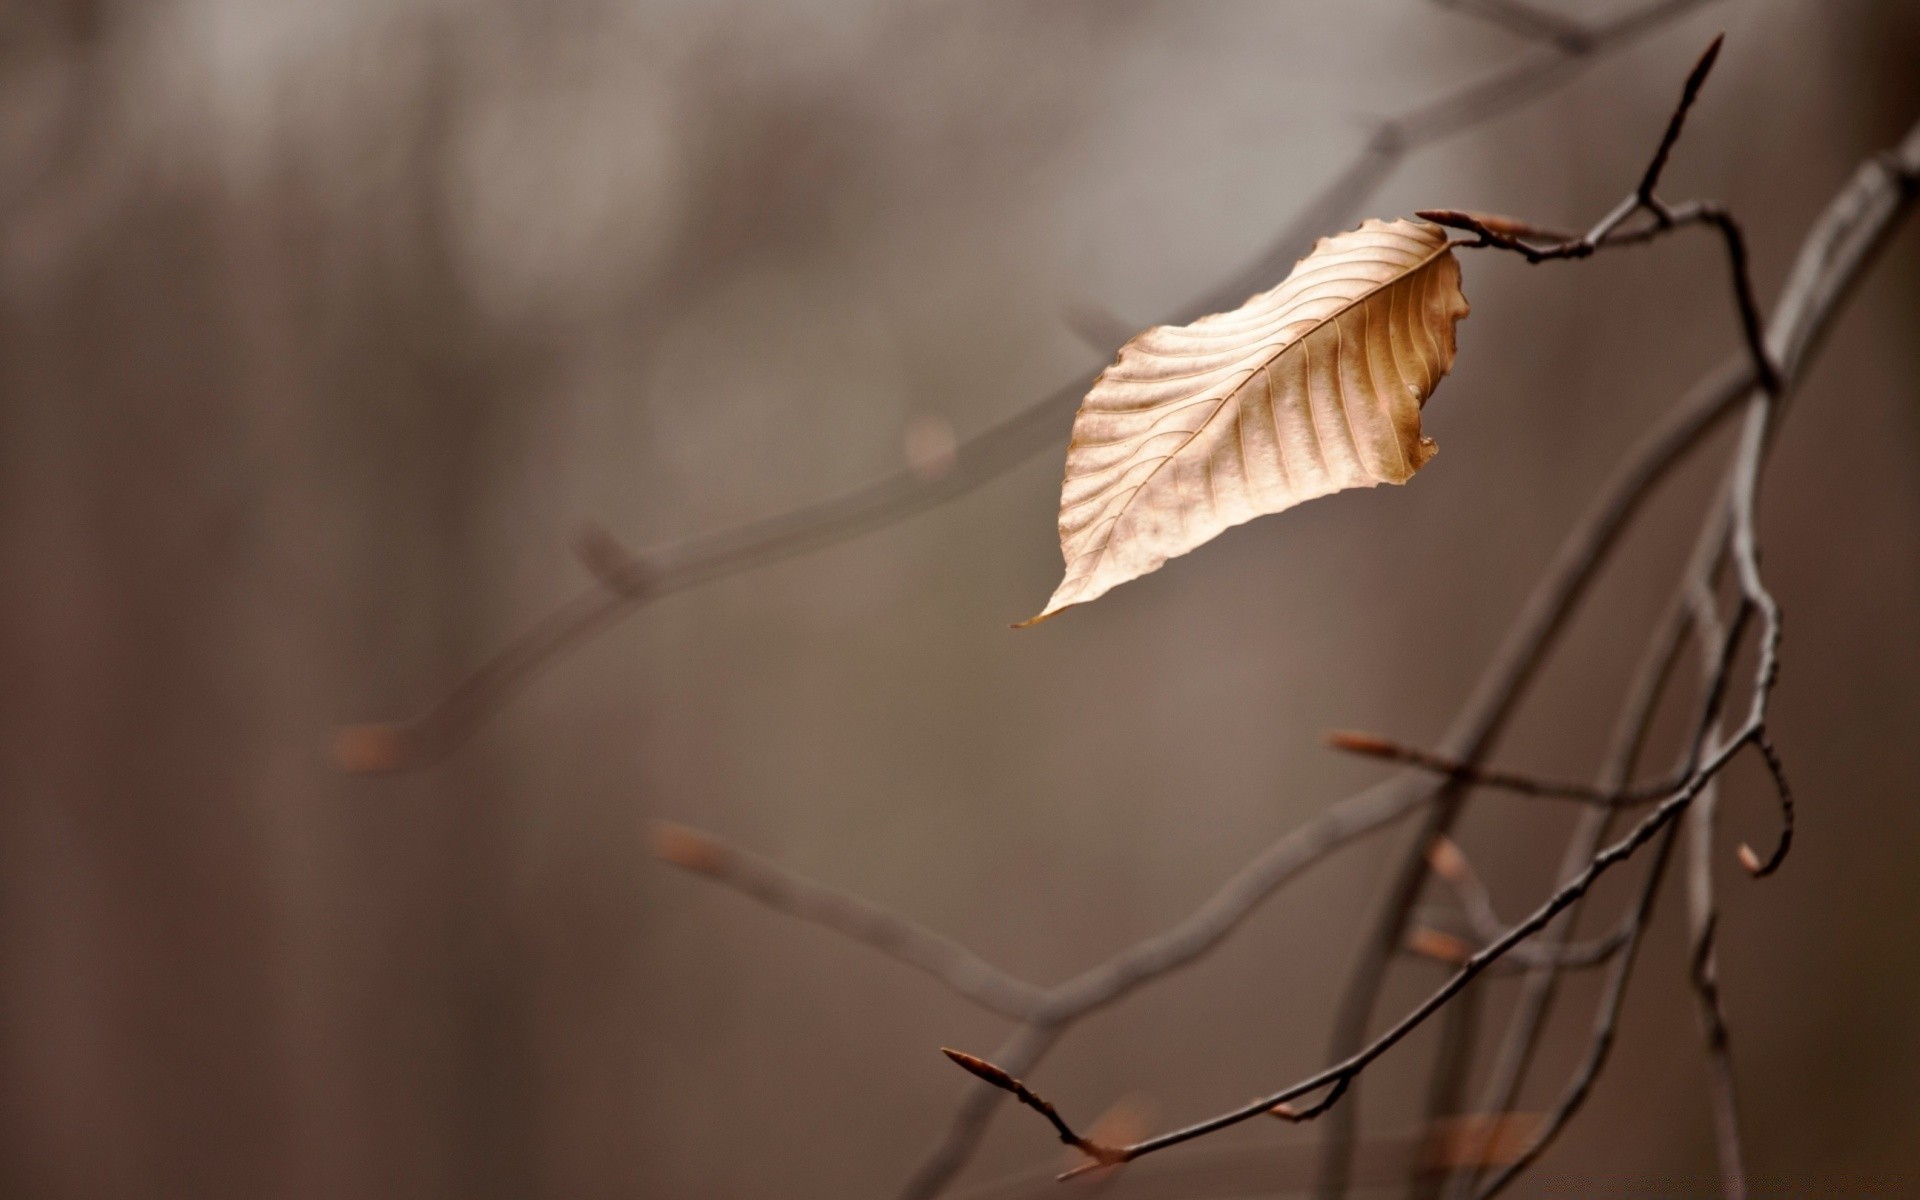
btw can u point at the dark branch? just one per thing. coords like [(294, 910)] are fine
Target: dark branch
[(1689, 92)]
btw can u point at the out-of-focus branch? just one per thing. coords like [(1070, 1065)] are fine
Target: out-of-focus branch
[(1450, 865), (1704, 920), (647, 576), (1527, 21), (895, 936), (1630, 734), (1600, 1042)]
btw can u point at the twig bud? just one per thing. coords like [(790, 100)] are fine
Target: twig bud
[(1446, 859), (982, 1068), (1354, 742), (688, 848), (369, 749), (1441, 947)]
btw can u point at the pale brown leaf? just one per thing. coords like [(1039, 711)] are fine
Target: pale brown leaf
[(1308, 389)]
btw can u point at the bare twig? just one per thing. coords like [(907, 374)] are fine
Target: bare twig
[(1626, 744), (1458, 771), (1476, 902), (1705, 976), (1600, 1043), (1527, 21), (447, 724), (892, 935)]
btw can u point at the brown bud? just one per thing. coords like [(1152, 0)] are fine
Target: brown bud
[(1447, 861), (982, 1068), (1434, 944), (688, 849), (369, 749), (1354, 742)]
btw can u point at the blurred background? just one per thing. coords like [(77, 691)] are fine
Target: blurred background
[(322, 327)]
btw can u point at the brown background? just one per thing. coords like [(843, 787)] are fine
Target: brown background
[(321, 325)]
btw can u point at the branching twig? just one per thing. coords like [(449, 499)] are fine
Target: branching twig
[(1686, 619)]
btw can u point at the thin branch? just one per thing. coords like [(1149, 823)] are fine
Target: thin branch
[(451, 720), (1527, 21), (1600, 1042), (1368, 745), (1686, 619), (895, 936), (1450, 865), (1704, 918), (1689, 92)]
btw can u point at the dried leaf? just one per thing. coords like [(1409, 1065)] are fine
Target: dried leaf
[(1308, 389)]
